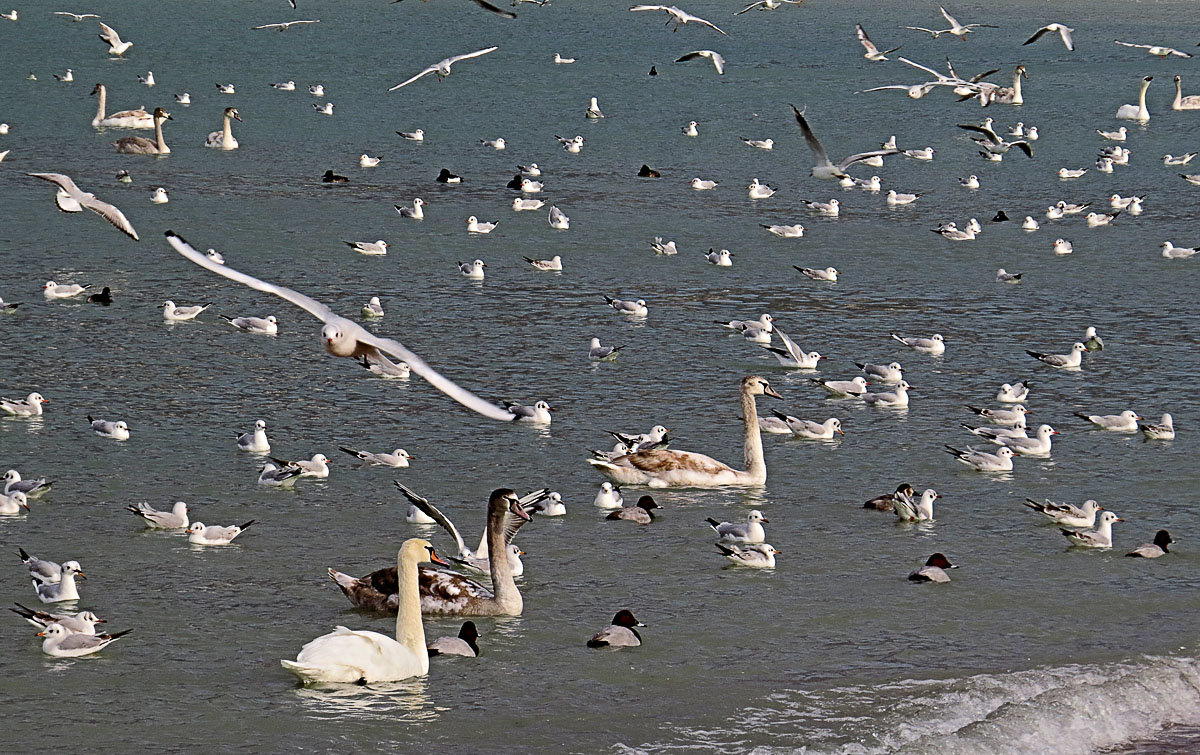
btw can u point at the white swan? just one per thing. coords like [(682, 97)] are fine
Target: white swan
[(348, 656), (138, 118), (140, 145), (662, 468), (1137, 112), (223, 139), (1191, 102)]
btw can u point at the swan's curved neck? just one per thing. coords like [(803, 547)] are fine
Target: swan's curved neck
[(503, 587), (756, 464), (227, 131), (1142, 98), (158, 137), (1017, 98), (1178, 95), (410, 632), (101, 103)]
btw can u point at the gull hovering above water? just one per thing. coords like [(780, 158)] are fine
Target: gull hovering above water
[(956, 29), (873, 53), (678, 17), (71, 199), (115, 45), (345, 338), (442, 67), (824, 169), (1162, 52), (76, 16), (285, 25), (1063, 30), (717, 61), (767, 5)]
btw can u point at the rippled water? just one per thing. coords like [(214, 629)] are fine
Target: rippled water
[(834, 650)]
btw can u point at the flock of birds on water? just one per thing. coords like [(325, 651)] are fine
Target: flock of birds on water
[(480, 581)]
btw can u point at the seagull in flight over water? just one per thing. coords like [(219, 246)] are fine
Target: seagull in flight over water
[(345, 338), (71, 198), (678, 17), (824, 169), (442, 67), (284, 26)]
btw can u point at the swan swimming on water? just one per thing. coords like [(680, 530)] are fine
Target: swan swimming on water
[(348, 656), (139, 145), (662, 468), (1191, 102), (136, 118), (1137, 112), (223, 139)]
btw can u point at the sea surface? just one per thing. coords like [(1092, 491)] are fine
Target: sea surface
[(1032, 648)]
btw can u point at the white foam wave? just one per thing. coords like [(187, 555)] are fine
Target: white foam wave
[(1061, 709)]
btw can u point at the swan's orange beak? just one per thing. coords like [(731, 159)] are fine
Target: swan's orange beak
[(768, 391), (435, 558)]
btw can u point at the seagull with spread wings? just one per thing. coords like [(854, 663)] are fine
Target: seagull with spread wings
[(767, 5), (442, 67), (824, 168), (873, 53), (717, 61), (345, 338), (1063, 30), (1156, 50), (71, 199), (678, 17), (284, 26)]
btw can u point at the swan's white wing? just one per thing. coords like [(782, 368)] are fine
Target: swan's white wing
[(865, 40), (476, 54), (432, 512), (428, 70), (360, 334), (811, 138)]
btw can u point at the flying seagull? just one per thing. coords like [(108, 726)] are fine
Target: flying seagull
[(717, 61), (873, 52), (678, 17), (442, 67), (344, 338), (285, 25), (71, 199), (767, 5), (824, 169), (1063, 30), (485, 5)]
